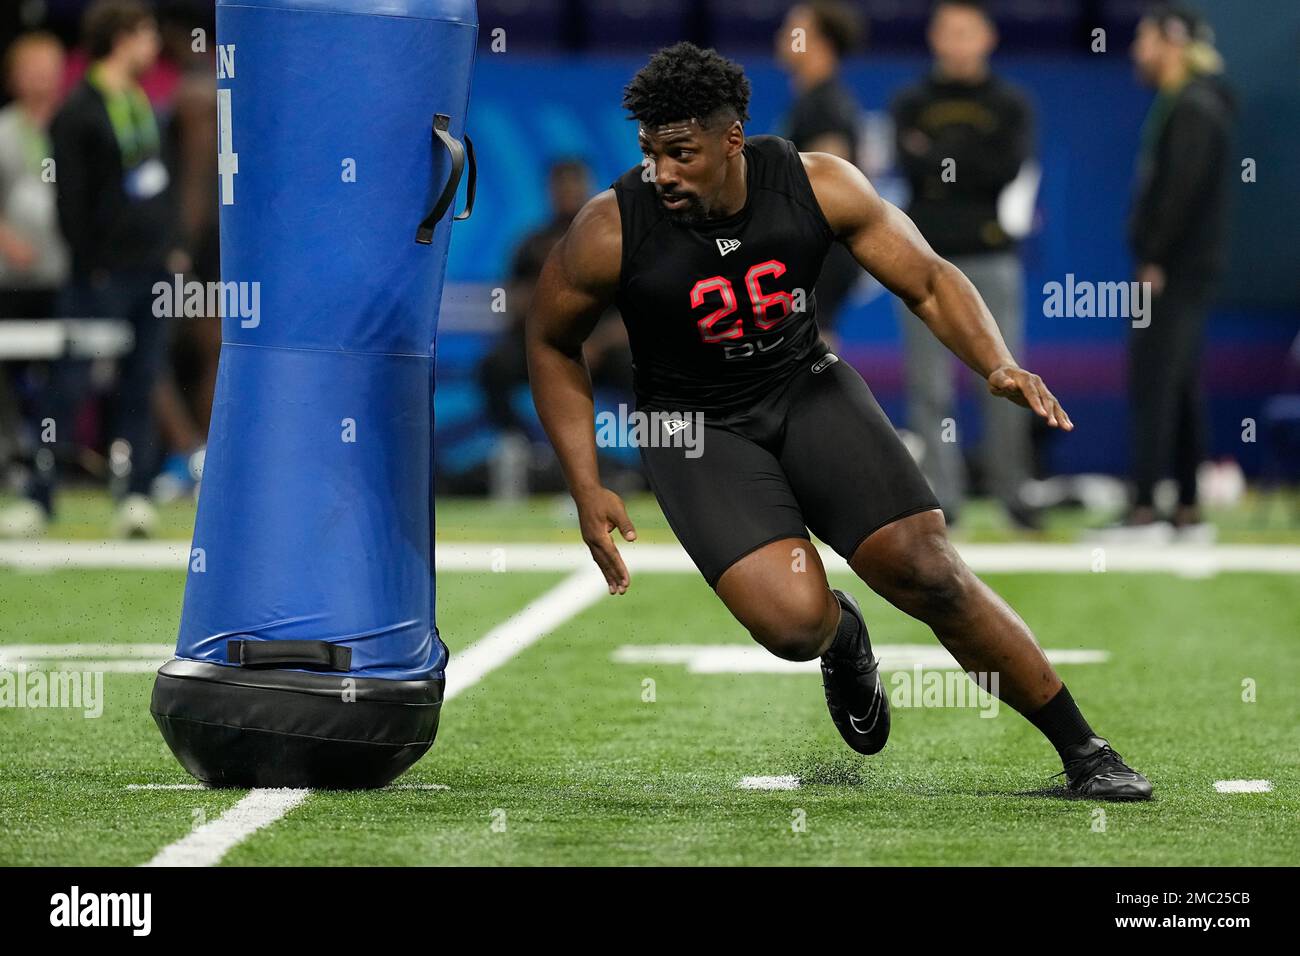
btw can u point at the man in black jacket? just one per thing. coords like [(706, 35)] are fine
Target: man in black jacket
[(1177, 231), (116, 212), (824, 118), (962, 136)]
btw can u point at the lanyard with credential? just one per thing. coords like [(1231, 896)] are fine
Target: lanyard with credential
[(132, 119)]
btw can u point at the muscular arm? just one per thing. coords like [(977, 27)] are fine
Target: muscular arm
[(888, 245), (577, 284)]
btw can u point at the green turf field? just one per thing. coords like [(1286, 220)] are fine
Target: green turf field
[(558, 757), (85, 514)]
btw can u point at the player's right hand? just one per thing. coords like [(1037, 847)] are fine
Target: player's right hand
[(598, 515)]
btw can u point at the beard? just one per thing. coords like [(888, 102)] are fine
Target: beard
[(690, 214)]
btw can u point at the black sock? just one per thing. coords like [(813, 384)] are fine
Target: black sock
[(848, 637), (1060, 722)]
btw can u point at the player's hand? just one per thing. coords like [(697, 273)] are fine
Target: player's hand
[(598, 516), (1027, 389)]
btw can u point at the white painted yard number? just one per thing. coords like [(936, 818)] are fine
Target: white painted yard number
[(227, 158)]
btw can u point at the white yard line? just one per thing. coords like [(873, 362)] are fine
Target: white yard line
[(768, 783), (570, 597), (1022, 558), (206, 845), (209, 843), (749, 658), (200, 786), (110, 658), (1243, 786), (60, 555)]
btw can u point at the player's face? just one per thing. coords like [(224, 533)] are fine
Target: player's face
[(689, 166)]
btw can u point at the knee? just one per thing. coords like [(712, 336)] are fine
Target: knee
[(927, 574), (798, 626)]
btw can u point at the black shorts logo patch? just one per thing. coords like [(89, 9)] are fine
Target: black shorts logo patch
[(825, 362)]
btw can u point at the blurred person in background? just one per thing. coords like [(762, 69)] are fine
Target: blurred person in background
[(1177, 231), (184, 390), (824, 118), (33, 257), (962, 136), (504, 370), (115, 211)]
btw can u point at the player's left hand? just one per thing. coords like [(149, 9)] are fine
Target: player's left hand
[(1027, 389)]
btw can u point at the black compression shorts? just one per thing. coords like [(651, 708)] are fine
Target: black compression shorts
[(817, 454)]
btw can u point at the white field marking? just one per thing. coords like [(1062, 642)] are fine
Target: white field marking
[(768, 783), (206, 845), (58, 555), (199, 786), (110, 658), (1243, 786), (752, 659), (570, 597), (1193, 560)]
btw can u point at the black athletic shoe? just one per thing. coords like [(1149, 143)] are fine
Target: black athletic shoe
[(1095, 771), (855, 695)]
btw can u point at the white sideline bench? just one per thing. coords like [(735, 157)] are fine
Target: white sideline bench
[(35, 339)]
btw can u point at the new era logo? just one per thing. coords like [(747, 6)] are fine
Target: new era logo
[(825, 362), (673, 425), (728, 245)]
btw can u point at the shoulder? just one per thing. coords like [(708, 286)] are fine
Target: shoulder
[(909, 97), (82, 106), (82, 96), (1009, 92), (779, 166), (768, 145), (631, 179), (599, 215), (590, 252), (827, 172), (1204, 99), (841, 99), (845, 196)]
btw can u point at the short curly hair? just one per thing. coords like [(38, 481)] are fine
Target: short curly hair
[(685, 82)]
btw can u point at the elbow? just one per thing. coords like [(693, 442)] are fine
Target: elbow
[(924, 299), (540, 348)]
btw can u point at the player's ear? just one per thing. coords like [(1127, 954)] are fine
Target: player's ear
[(735, 138)]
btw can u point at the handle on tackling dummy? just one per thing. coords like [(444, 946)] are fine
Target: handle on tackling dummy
[(441, 123)]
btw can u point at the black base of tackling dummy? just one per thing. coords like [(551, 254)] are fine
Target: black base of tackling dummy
[(244, 727)]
